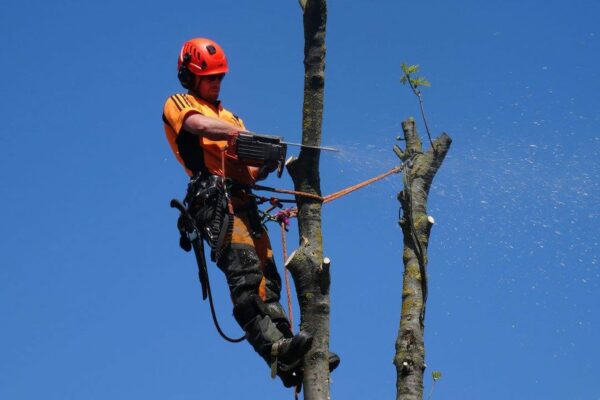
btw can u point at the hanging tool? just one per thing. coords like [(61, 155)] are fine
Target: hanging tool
[(194, 236)]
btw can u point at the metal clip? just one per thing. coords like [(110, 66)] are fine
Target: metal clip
[(193, 235)]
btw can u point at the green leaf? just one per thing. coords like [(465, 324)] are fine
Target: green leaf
[(413, 69), (436, 375), (405, 69), (403, 79), (421, 82)]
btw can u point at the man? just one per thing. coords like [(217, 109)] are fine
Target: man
[(199, 129)]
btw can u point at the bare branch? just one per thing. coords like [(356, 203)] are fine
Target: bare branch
[(310, 272)]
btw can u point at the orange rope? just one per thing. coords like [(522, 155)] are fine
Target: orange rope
[(338, 194), (294, 212), (351, 189), (301, 194), (287, 277), (287, 288)]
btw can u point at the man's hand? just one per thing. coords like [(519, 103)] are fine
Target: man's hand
[(232, 137)]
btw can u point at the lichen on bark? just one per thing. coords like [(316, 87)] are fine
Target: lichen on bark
[(311, 275), (419, 170)]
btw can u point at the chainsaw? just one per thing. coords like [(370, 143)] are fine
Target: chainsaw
[(259, 150)]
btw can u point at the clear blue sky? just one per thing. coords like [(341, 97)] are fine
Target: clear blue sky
[(98, 302)]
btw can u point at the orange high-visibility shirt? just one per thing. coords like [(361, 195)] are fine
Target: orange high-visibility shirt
[(195, 152)]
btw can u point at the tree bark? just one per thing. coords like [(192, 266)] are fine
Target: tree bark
[(310, 272), (419, 171)]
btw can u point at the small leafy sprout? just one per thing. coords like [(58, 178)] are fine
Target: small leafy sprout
[(408, 70), (415, 83), (436, 375)]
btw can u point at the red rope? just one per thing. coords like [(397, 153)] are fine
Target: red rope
[(361, 185), (338, 194), (284, 220), (287, 275), (296, 193), (283, 217)]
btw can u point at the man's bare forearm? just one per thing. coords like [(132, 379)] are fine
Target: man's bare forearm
[(211, 128)]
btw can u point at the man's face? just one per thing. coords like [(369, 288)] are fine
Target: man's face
[(209, 86)]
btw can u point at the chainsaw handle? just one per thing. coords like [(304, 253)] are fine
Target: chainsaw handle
[(271, 137)]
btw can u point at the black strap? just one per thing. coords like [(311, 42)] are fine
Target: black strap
[(198, 246), (191, 152), (214, 317)]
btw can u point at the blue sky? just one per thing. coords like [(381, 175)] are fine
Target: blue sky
[(96, 299)]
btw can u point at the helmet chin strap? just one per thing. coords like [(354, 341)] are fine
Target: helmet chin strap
[(194, 89)]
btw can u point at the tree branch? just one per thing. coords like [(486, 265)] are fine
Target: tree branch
[(310, 272), (419, 170)]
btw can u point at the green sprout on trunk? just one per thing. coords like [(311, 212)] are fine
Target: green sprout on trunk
[(415, 82), (436, 375)]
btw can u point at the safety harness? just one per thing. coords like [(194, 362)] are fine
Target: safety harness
[(207, 213), (205, 199)]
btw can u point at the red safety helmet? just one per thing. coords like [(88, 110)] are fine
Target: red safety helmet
[(199, 57)]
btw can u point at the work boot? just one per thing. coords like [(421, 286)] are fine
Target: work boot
[(292, 377), (286, 355), (289, 351), (334, 361)]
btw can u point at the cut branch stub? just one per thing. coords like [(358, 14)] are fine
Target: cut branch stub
[(420, 169), (311, 277), (413, 142)]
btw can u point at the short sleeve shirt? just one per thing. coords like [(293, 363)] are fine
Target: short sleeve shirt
[(197, 153)]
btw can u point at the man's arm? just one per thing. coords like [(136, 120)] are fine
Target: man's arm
[(210, 128)]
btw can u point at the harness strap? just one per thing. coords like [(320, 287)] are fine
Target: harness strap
[(202, 270)]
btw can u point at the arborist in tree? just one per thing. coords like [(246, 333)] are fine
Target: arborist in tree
[(220, 201)]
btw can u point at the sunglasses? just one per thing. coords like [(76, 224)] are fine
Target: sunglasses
[(213, 78)]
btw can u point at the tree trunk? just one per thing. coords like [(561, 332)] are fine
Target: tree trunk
[(419, 171), (310, 272)]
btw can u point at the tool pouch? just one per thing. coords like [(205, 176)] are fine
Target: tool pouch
[(206, 200)]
